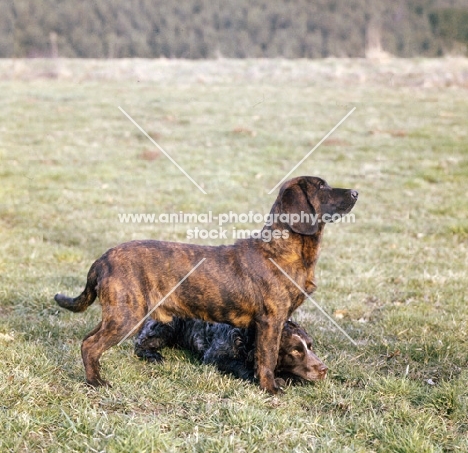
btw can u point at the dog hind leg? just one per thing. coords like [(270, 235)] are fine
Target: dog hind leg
[(112, 329)]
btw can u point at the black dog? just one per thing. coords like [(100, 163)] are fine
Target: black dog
[(230, 349)]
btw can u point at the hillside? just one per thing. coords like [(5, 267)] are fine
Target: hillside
[(204, 29)]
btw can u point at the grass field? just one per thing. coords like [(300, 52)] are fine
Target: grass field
[(395, 279)]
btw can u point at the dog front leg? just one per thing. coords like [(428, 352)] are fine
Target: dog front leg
[(267, 340)]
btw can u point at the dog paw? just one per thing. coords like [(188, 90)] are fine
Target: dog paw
[(281, 383), (155, 359), (273, 388), (98, 382), (149, 356)]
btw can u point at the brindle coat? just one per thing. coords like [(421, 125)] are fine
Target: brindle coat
[(236, 284)]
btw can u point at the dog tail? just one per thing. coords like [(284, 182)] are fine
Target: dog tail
[(85, 299)]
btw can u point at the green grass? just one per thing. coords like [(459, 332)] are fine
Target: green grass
[(71, 162)]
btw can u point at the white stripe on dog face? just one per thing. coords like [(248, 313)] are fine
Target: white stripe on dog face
[(302, 341)]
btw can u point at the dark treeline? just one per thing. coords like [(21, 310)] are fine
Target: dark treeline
[(209, 29)]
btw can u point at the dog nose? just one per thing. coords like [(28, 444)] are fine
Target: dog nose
[(354, 194), (323, 369)]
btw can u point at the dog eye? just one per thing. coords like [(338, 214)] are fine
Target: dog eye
[(322, 186)]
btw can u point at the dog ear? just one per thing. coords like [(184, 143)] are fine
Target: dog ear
[(291, 324), (294, 203)]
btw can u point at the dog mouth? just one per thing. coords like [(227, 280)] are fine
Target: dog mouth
[(342, 206), (346, 207), (315, 376), (316, 373), (303, 377)]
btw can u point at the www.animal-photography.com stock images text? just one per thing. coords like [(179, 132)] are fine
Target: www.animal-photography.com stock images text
[(234, 226)]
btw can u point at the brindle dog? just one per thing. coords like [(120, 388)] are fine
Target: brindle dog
[(236, 284)]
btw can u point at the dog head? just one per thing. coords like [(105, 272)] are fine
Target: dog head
[(154, 335), (296, 356), (306, 202)]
